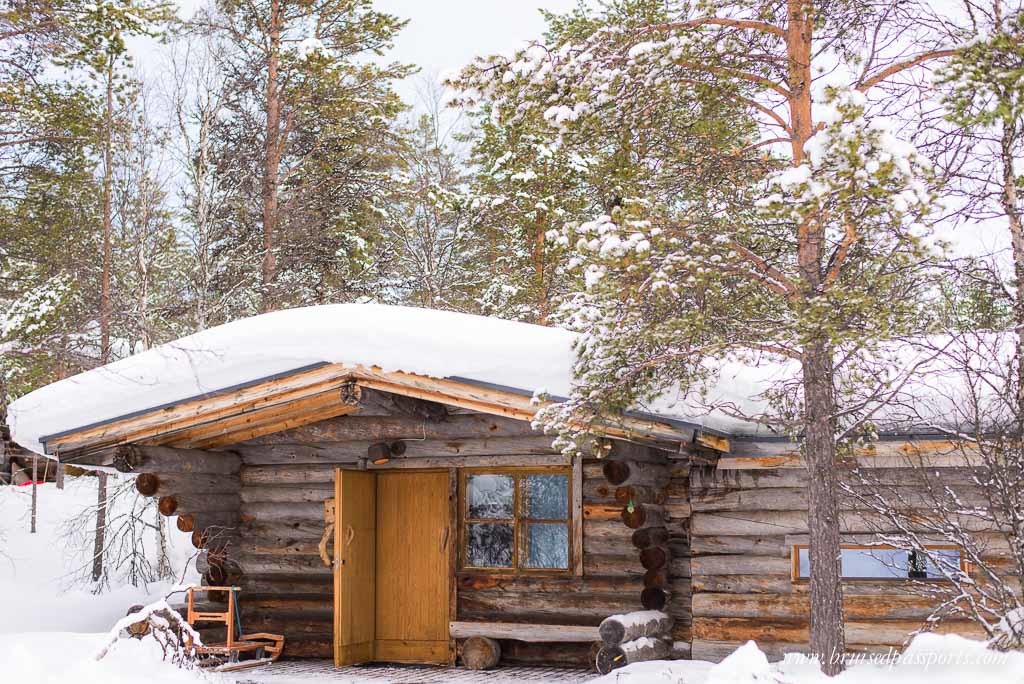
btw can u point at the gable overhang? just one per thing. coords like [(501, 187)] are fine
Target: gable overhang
[(317, 392)]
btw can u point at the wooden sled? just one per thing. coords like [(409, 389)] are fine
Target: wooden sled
[(260, 647)]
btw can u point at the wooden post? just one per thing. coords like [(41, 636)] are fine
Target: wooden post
[(35, 496), (60, 472)]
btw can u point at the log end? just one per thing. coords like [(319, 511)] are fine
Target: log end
[(609, 658), (480, 653), (147, 484)]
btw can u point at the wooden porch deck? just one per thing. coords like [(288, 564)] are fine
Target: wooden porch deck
[(300, 671)]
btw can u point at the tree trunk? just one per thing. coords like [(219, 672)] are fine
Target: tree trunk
[(108, 177), (826, 616), (271, 157), (35, 497), (101, 527)]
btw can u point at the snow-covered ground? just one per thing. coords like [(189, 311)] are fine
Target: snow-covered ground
[(53, 628), (41, 574), (930, 659)]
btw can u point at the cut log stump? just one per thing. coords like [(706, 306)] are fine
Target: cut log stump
[(645, 648), (480, 653), (631, 626)]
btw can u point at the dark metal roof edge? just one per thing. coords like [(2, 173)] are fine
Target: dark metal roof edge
[(206, 395)]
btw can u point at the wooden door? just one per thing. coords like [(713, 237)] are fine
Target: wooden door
[(413, 552), (355, 541)]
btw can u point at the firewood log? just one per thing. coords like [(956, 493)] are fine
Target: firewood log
[(480, 653), (617, 629), (613, 657)]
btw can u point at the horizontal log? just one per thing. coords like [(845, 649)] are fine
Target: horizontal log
[(580, 608), (261, 584), (192, 503), (312, 493), (548, 585), (276, 475), (877, 633), (506, 461), (711, 479), (740, 565), (304, 566), (795, 499), (898, 606), (612, 565), (282, 512), (349, 452), (305, 530), (137, 458), (186, 483), (369, 428), (627, 473), (771, 523), (523, 632)]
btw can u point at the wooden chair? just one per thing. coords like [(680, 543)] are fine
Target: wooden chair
[(226, 655)]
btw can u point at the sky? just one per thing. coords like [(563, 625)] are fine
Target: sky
[(444, 35)]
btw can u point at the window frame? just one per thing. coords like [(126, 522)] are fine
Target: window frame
[(519, 521), (795, 561)]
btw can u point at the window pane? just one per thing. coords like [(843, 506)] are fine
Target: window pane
[(547, 546), (889, 563), (546, 497), (490, 496), (489, 545)]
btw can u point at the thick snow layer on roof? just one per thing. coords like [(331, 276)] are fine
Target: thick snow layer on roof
[(526, 357), (441, 344)]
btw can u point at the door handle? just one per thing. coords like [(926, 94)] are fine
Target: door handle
[(444, 538), (324, 548), (350, 534)]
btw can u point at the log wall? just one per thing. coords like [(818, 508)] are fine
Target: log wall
[(743, 526), (286, 477)]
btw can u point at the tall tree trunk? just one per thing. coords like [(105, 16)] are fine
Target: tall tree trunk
[(108, 171), (826, 618), (1010, 206), (100, 540), (271, 158)]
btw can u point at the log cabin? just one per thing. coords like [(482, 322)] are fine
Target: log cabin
[(372, 480)]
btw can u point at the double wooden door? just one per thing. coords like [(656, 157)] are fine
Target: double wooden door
[(392, 566)]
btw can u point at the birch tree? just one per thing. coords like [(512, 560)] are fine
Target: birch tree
[(811, 266)]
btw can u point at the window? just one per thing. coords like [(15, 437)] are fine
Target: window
[(516, 520), (884, 562)]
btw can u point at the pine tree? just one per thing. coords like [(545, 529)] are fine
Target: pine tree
[(310, 123), (806, 245)]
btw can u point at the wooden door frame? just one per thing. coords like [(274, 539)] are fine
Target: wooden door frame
[(453, 542)]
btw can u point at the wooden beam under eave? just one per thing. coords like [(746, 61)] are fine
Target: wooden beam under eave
[(935, 453), (251, 418), (498, 402), (190, 413), (285, 422)]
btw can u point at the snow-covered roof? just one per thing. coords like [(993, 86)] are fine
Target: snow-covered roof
[(440, 344)]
